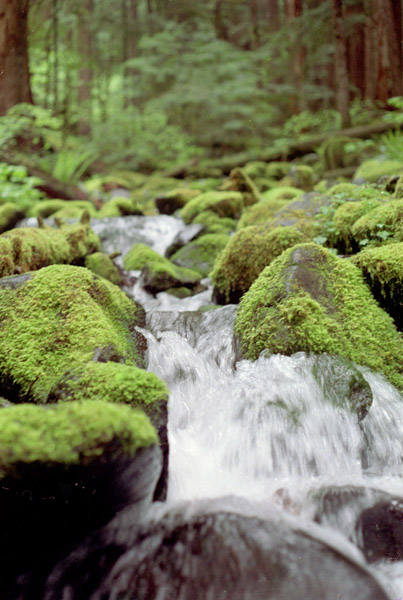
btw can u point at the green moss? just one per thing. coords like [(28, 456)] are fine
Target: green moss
[(256, 169), (239, 181), (56, 320), (63, 209), (180, 292), (215, 224), (350, 191), (262, 212), (302, 177), (310, 300), (10, 214), (70, 433), (372, 170), (246, 255), (380, 225), (174, 200), (335, 153), (345, 217), (27, 249), (399, 188), (277, 170), (383, 270), (200, 254), (282, 192), (118, 207), (103, 265), (224, 204), (113, 382), (159, 272)]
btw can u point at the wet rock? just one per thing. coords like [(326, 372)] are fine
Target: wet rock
[(185, 236), (210, 550), (380, 530)]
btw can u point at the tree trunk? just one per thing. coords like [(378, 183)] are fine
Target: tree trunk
[(14, 70), (389, 50), (371, 58), (219, 23), (293, 11), (341, 73), (356, 50), (272, 14), (85, 74)]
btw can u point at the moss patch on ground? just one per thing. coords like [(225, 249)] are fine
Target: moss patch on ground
[(27, 249), (70, 433), (201, 254), (56, 320), (224, 204), (310, 300), (245, 256)]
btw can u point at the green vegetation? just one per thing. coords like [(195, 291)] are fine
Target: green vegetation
[(17, 187), (309, 300), (102, 265), (373, 170), (10, 214), (224, 204), (215, 224), (70, 434), (28, 249), (55, 320), (381, 225), (201, 254), (113, 382), (246, 255)]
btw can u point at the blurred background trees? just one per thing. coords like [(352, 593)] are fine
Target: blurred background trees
[(151, 83)]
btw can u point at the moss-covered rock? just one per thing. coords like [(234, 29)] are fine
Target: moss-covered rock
[(56, 319), (286, 192), (344, 218), (213, 223), (261, 212), (201, 254), (66, 470), (383, 270), (118, 207), (382, 224), (256, 169), (158, 273), (174, 200), (310, 300), (10, 214), (245, 256), (301, 177), (224, 204), (27, 249), (372, 170), (62, 209), (278, 170), (239, 181), (302, 213), (102, 264), (398, 189)]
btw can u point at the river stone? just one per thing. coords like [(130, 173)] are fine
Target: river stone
[(65, 471), (214, 550), (310, 300), (380, 528), (183, 237)]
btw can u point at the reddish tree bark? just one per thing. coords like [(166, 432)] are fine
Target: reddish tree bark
[(356, 49), (340, 63), (14, 70), (389, 50)]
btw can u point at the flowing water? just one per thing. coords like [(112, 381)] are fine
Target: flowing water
[(262, 431)]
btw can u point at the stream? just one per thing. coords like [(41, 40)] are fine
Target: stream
[(264, 432)]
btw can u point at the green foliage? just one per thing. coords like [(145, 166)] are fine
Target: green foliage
[(392, 145), (18, 187), (307, 123), (27, 123), (68, 165)]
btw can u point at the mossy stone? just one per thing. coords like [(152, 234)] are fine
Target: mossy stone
[(213, 223), (380, 225), (56, 320), (245, 256), (261, 212), (201, 254), (158, 273), (46, 208), (27, 248), (174, 200), (62, 209), (239, 181), (224, 204), (373, 170), (10, 214), (344, 218), (101, 264), (118, 207), (383, 270), (310, 300), (286, 192)]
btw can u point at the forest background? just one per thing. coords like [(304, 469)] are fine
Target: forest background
[(149, 85)]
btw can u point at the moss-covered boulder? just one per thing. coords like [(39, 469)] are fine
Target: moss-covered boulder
[(261, 212), (201, 254), (27, 248), (310, 300), (372, 170), (282, 192), (174, 200), (239, 181), (382, 224), (102, 264), (55, 319), (224, 204), (157, 272), (62, 209), (213, 223), (301, 177), (343, 220), (118, 207), (65, 471), (10, 214), (302, 213), (383, 270), (247, 253)]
